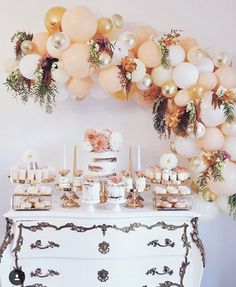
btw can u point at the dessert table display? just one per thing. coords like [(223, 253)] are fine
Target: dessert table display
[(133, 227)]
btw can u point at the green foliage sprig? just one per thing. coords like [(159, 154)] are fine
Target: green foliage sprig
[(18, 38), (232, 204)]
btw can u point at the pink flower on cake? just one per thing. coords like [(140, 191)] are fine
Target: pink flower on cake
[(100, 143), (115, 179), (126, 173), (90, 135), (139, 173), (64, 172), (78, 172)]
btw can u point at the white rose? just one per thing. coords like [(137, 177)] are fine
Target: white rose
[(168, 161), (30, 156), (87, 146), (116, 141)]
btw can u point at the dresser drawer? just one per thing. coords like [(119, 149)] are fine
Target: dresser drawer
[(108, 273), (71, 240)]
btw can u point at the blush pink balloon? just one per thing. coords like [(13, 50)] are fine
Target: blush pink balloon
[(150, 54), (188, 42), (79, 23), (226, 187), (75, 60), (109, 80), (79, 88), (186, 147), (226, 77), (143, 33), (182, 98), (40, 43), (139, 98), (207, 80), (212, 140)]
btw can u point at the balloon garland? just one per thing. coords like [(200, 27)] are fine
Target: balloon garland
[(192, 94)]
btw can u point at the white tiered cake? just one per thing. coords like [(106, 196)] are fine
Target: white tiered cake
[(102, 164)]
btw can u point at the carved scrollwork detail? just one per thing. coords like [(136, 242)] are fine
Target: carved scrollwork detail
[(103, 275), (166, 270), (156, 242), (38, 273), (104, 247), (36, 285), (38, 245), (8, 237), (196, 239)]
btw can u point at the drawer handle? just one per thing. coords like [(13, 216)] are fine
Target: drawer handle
[(168, 243), (103, 275), (166, 270), (38, 245), (104, 247), (38, 273), (36, 285)]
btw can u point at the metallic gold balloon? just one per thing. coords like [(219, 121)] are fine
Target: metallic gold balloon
[(105, 60), (169, 89), (196, 91), (209, 195), (194, 187), (117, 21), (145, 83), (60, 41), (222, 60), (26, 47), (53, 18), (104, 25), (120, 95)]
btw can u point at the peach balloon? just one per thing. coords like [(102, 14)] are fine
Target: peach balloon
[(182, 98), (227, 77), (195, 54), (150, 54), (212, 140), (75, 60), (40, 43), (188, 43), (161, 75), (79, 88), (143, 33), (79, 23), (207, 80), (139, 98), (109, 80)]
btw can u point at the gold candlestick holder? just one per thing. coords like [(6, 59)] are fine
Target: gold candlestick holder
[(134, 200)]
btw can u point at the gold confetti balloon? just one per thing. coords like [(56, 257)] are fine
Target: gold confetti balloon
[(52, 19), (117, 21), (169, 89), (209, 196), (104, 25), (26, 47)]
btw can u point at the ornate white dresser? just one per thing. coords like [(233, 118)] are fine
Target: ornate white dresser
[(131, 248)]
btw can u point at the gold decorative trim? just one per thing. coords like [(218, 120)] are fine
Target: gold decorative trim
[(168, 243), (196, 239), (36, 285), (38, 273), (7, 238), (38, 245), (103, 275)]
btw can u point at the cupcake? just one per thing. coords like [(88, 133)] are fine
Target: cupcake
[(159, 189), (172, 190), (184, 190)]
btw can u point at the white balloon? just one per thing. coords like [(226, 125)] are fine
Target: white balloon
[(129, 39), (94, 75), (120, 51), (53, 51), (230, 147), (60, 76), (211, 117), (205, 65), (229, 129), (186, 147), (223, 202), (185, 75), (139, 72), (98, 93), (161, 75), (208, 210), (176, 55), (28, 65), (63, 94)]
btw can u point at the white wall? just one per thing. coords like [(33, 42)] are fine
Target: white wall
[(213, 22)]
